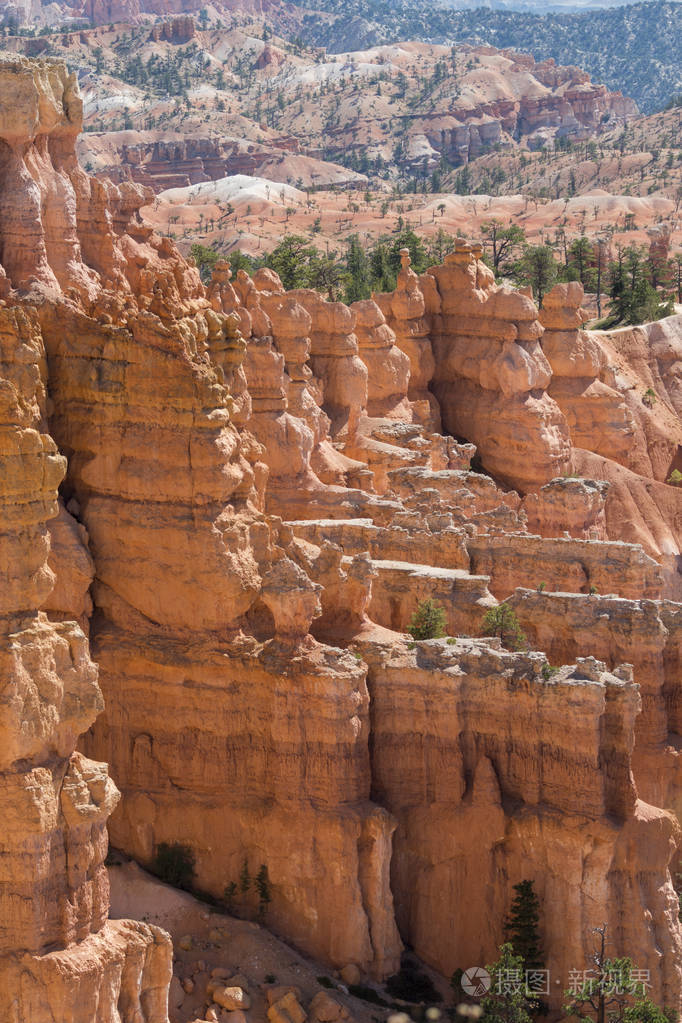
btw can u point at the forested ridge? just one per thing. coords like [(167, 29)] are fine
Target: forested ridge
[(634, 48)]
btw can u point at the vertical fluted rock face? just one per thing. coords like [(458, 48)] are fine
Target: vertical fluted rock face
[(405, 311), (148, 399), (59, 958), (334, 360), (597, 413), (491, 376), (388, 368), (644, 633), (438, 775), (126, 462), (285, 411), (38, 207), (184, 560), (480, 807), (619, 392)]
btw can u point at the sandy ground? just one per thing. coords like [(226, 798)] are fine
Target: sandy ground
[(253, 214), (205, 940)]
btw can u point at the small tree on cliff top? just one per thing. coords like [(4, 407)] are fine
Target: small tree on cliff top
[(428, 621), (538, 268), (501, 621)]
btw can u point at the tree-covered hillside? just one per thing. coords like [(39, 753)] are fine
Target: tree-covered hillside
[(634, 48)]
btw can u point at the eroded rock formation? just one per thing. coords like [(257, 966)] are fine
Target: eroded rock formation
[(60, 958), (256, 495)]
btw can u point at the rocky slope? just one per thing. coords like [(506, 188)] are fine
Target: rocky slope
[(631, 47), (259, 486), (639, 159), (620, 45), (179, 106)]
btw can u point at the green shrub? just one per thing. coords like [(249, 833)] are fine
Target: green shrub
[(501, 621), (228, 894), (263, 889), (675, 478), (174, 863), (206, 259), (456, 982), (428, 621)]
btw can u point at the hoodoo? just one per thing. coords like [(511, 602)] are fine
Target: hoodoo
[(220, 509)]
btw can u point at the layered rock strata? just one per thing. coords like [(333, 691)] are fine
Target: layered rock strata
[(60, 958), (491, 375), (254, 504), (480, 807)]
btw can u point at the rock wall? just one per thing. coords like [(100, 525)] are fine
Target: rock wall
[(60, 958), (254, 503), (479, 807), (491, 375)]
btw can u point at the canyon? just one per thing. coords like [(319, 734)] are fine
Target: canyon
[(242, 133), (221, 506), (179, 102)]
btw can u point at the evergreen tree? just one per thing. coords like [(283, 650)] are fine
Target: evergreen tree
[(263, 889), (507, 1001), (613, 992), (503, 242), (462, 183), (580, 258), (407, 239), (289, 260), (206, 259), (633, 297), (522, 926), (538, 268), (428, 621), (357, 265), (617, 290), (441, 244), (244, 878), (501, 621), (240, 261), (382, 276)]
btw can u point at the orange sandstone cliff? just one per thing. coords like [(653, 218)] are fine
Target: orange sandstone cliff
[(255, 490)]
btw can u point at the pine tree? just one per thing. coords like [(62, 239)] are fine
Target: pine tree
[(507, 1001), (263, 889), (538, 268), (501, 621), (428, 621), (615, 992), (522, 926), (357, 263)]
